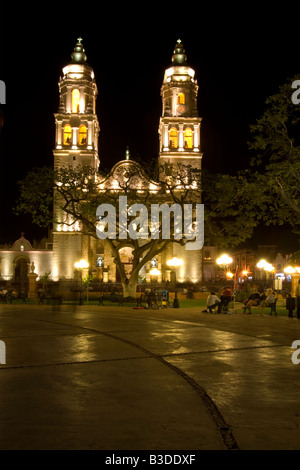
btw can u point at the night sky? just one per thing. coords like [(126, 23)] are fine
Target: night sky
[(241, 55)]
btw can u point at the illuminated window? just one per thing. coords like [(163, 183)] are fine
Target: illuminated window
[(181, 98), (188, 138), (82, 135), (153, 263), (173, 138), (67, 134), (75, 101)]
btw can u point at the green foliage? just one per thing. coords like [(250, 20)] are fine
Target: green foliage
[(36, 196), (276, 159), (87, 280), (230, 218)]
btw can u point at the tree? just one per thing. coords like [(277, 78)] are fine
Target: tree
[(86, 283), (79, 192), (230, 218), (44, 280), (36, 196), (276, 159)]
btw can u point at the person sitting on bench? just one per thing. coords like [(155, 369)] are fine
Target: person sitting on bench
[(226, 297), (253, 299), (269, 302)]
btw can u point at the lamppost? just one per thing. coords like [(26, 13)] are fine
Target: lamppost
[(80, 265), (224, 261), (263, 265), (270, 270), (175, 263), (155, 272)]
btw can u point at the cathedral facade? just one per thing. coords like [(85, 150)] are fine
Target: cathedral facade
[(76, 144)]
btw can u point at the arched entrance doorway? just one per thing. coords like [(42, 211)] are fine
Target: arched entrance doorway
[(126, 258), (20, 274)]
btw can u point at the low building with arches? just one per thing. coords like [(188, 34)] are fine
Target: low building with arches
[(18, 260)]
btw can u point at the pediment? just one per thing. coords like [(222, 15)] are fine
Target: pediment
[(128, 174)]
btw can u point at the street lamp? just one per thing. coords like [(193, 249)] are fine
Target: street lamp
[(80, 265), (175, 263), (264, 265), (224, 261), (229, 275), (154, 272), (289, 270)]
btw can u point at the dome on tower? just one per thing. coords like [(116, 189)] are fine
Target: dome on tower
[(179, 70), (79, 55), (78, 68), (179, 56)]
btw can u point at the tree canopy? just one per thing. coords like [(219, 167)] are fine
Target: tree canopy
[(275, 143)]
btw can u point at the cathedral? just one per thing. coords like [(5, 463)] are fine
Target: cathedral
[(76, 143)]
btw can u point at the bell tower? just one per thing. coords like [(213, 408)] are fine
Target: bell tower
[(179, 131), (179, 126), (76, 144), (77, 126)]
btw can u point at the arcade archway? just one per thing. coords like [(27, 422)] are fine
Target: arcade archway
[(126, 258), (20, 273)]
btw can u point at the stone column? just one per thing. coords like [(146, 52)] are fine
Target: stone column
[(32, 290), (295, 279)]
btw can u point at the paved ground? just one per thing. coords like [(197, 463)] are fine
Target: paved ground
[(122, 378)]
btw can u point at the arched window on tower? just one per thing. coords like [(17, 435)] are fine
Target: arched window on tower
[(173, 138), (181, 98), (99, 262), (82, 135), (188, 138), (75, 101), (67, 134)]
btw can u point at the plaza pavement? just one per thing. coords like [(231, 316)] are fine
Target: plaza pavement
[(121, 378)]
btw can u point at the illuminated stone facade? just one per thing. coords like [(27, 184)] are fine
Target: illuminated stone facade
[(76, 143)]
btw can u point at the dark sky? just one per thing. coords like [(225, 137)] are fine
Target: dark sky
[(241, 54)]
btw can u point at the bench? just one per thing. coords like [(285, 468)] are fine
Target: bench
[(49, 298)]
